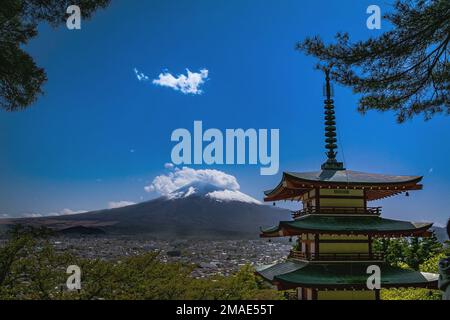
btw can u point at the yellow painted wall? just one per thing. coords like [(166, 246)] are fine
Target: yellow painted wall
[(342, 237), (336, 202), (341, 192), (343, 247), (346, 295), (330, 202)]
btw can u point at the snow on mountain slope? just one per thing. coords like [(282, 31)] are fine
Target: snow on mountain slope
[(208, 190)]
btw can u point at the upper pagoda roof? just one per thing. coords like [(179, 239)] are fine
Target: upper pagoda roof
[(295, 184), (351, 177), (292, 274)]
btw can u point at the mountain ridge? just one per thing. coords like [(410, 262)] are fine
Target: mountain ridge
[(189, 212)]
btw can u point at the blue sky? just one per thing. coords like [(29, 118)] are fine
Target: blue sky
[(100, 135)]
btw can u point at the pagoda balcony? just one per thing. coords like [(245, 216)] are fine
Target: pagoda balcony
[(376, 211), (298, 255)]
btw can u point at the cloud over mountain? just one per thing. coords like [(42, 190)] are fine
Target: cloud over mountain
[(167, 184), (212, 184), (63, 212)]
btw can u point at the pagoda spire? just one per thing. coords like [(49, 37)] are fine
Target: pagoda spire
[(330, 128)]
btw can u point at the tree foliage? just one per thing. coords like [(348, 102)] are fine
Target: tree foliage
[(430, 265), (421, 254), (411, 252), (405, 70), (21, 80), (30, 268), (410, 294)]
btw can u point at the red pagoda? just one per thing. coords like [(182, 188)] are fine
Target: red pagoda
[(335, 228)]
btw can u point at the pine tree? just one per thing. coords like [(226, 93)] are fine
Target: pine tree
[(405, 70), (21, 80), (411, 252)]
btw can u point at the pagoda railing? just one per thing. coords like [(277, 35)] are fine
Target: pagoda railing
[(337, 210), (376, 256)]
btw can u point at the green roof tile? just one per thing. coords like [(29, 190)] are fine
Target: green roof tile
[(353, 274), (352, 224)]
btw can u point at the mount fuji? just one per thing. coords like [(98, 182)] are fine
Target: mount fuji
[(202, 189), (195, 211)]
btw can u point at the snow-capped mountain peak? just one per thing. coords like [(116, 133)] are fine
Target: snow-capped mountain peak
[(207, 190), (232, 195)]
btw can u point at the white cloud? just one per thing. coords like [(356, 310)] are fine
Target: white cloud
[(32, 215), (119, 204), (186, 84), (166, 184), (63, 212), (168, 165), (140, 76)]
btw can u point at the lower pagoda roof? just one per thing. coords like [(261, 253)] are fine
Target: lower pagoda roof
[(351, 224), (377, 186), (291, 274)]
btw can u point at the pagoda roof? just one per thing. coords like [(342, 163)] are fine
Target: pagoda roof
[(291, 274), (294, 184), (269, 272), (348, 224), (349, 176)]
